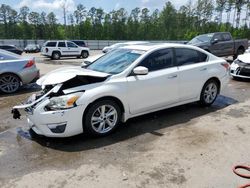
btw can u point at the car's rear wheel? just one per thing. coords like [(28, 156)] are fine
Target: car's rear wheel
[(209, 93), (56, 55), (239, 52), (9, 83), (102, 118), (85, 54)]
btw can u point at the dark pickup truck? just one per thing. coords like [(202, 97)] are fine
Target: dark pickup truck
[(220, 44)]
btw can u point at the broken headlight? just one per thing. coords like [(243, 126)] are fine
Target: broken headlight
[(63, 102)]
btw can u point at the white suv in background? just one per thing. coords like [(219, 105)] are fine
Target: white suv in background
[(58, 49)]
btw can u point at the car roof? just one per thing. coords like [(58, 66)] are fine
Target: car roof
[(151, 46), (10, 54)]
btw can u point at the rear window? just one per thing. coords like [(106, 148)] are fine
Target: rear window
[(4, 47), (185, 56), (51, 44), (79, 43)]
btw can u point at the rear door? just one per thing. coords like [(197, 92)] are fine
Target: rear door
[(73, 49), (156, 89), (227, 45), (217, 47), (61, 46), (193, 71)]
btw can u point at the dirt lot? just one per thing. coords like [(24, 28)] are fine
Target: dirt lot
[(186, 146)]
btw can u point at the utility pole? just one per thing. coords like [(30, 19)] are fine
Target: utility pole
[(64, 7)]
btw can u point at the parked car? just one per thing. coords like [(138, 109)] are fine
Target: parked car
[(12, 48), (15, 71), (220, 44), (58, 49), (240, 68), (124, 83), (32, 48), (117, 45), (79, 43)]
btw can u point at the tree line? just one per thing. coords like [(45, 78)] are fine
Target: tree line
[(191, 19)]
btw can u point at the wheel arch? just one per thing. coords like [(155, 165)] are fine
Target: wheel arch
[(56, 51), (216, 79), (115, 99), (85, 51), (241, 48), (13, 73)]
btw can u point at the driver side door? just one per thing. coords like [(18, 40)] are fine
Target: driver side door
[(158, 88)]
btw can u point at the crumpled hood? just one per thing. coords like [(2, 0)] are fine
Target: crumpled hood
[(66, 73), (245, 58)]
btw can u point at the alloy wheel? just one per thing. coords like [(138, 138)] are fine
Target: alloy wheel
[(104, 119), (9, 83), (210, 92)]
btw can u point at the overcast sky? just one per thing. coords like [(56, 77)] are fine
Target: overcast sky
[(107, 5)]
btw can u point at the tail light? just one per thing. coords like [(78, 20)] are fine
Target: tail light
[(29, 64), (226, 66)]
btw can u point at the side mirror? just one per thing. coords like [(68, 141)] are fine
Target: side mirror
[(84, 64), (215, 41), (140, 70)]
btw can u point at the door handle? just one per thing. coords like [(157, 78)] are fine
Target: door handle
[(203, 69), (172, 76)]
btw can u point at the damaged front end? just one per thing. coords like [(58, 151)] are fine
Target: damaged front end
[(50, 112), (241, 67)]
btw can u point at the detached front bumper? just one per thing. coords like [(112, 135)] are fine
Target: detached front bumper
[(59, 123), (63, 123)]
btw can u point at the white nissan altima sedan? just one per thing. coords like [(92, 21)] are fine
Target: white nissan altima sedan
[(124, 83)]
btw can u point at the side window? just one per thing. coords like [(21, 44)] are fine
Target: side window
[(158, 60), (227, 37), (51, 44), (4, 47), (71, 45), (185, 56), (219, 37), (61, 44), (203, 57)]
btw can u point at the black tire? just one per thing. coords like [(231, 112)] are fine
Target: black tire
[(56, 55), (85, 54), (239, 52), (207, 98), (33, 134), (9, 83), (92, 110)]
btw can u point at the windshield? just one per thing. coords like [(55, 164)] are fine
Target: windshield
[(201, 38), (115, 61), (117, 45)]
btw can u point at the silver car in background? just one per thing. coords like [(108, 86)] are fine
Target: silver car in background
[(122, 44), (16, 71)]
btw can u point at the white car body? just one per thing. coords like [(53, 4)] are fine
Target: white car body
[(138, 94), (69, 49), (240, 68)]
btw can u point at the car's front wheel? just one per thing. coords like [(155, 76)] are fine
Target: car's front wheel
[(85, 54), (56, 55), (102, 118), (9, 83), (209, 93)]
